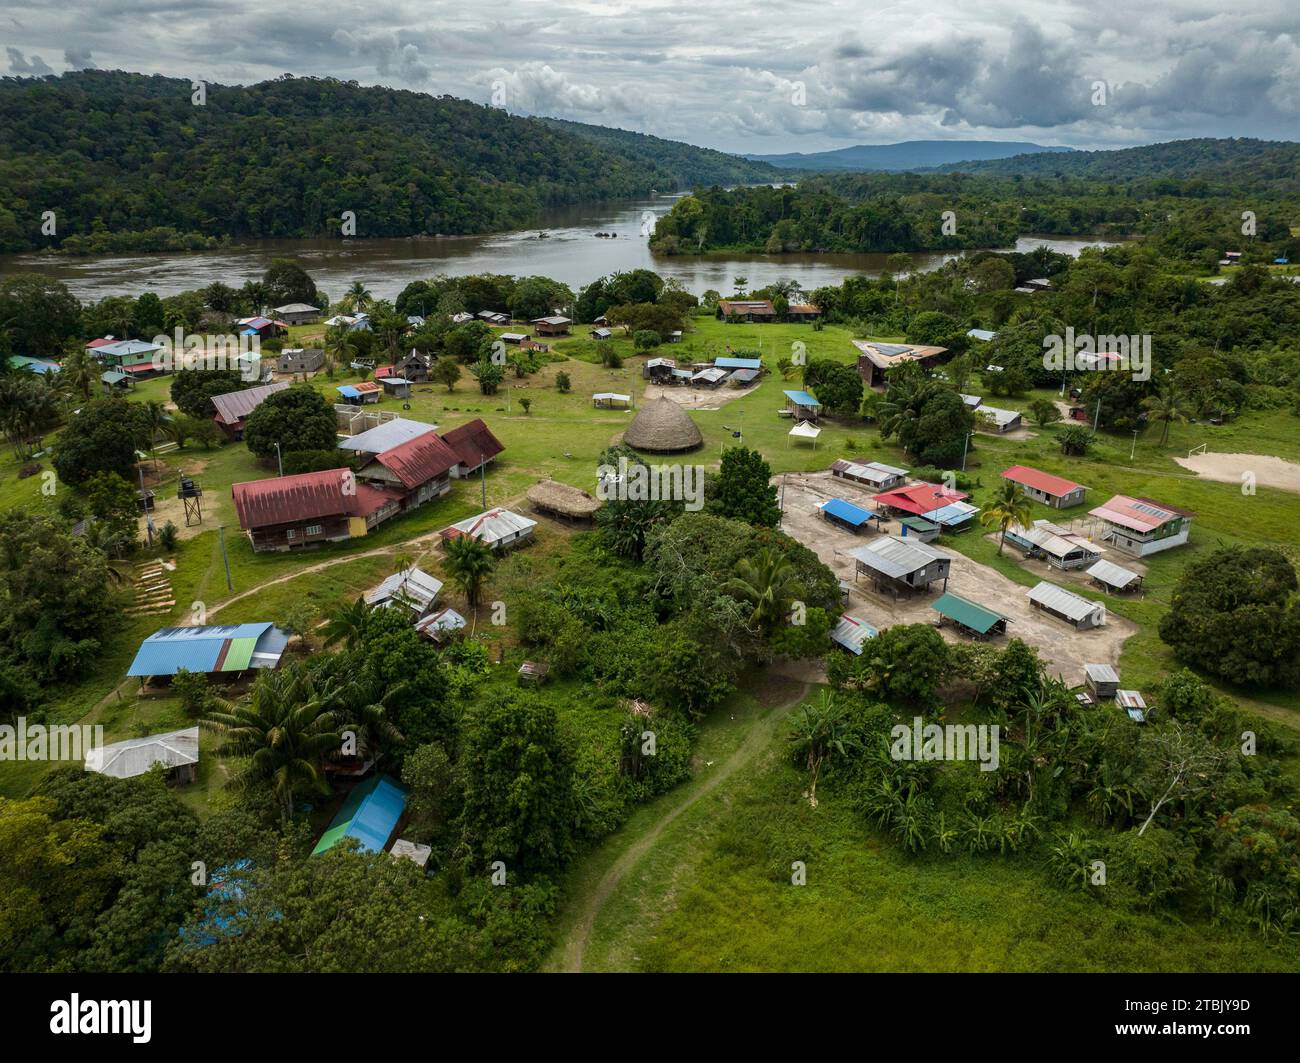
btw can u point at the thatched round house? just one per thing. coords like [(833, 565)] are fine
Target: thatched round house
[(561, 500), (663, 427)]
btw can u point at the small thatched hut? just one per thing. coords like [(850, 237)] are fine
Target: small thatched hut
[(663, 427), (561, 500)]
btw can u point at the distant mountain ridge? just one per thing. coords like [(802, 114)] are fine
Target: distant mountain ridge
[(1217, 159), (905, 155)]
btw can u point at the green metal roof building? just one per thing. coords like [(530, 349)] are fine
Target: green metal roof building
[(969, 616)]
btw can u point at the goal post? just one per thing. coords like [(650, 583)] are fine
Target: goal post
[(1197, 450)]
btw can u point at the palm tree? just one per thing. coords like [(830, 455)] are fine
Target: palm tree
[(820, 731), (469, 562), (78, 373), (1009, 506), (256, 295), (98, 535), (1164, 406), (346, 623), (364, 704), (285, 729), (768, 583), (339, 348), (358, 295), (153, 420)]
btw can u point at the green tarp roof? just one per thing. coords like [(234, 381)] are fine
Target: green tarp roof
[(966, 613)]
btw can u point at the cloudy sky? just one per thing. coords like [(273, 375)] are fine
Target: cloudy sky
[(762, 76)]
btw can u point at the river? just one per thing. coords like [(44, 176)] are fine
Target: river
[(570, 252)]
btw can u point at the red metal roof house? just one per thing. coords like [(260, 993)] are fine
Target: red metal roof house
[(1044, 487), (474, 444), (288, 512)]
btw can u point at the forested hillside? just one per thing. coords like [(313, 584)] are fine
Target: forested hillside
[(1240, 163), (128, 161), (686, 164)]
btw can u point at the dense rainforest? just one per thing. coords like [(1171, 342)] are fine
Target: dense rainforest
[(881, 212), (130, 162)]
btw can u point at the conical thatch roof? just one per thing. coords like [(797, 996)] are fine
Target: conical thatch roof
[(662, 426)]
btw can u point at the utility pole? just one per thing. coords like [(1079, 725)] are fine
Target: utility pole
[(224, 557), (482, 476), (144, 501), (964, 444), (1133, 450), (1096, 417), (279, 461)]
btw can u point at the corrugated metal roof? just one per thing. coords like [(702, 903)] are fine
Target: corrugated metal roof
[(1111, 574), (414, 584), (1040, 481), (967, 613), (848, 512), (801, 398), (305, 496), (234, 406), (897, 557), (738, 363), (135, 756), (710, 376), (490, 526), (851, 633), (920, 499), (369, 815), (1059, 600), (441, 622), (1001, 417), (473, 442), (1101, 673), (744, 376), (952, 514), (208, 649), (386, 436), (1137, 514), (1051, 539), (418, 460)]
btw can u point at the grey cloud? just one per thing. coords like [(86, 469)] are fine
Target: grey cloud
[(21, 66), (78, 59)]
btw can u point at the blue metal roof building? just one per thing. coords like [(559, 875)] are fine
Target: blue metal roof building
[(220, 648), (369, 815), (738, 363), (802, 398), (847, 513)]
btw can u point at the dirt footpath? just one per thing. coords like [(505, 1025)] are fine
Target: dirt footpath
[(1228, 469), (1066, 650)]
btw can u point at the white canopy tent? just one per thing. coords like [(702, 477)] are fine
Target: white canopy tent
[(804, 430)]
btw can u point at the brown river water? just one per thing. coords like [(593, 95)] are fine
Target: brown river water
[(570, 252)]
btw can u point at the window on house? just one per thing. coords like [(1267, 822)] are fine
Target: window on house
[(314, 529), (291, 534)]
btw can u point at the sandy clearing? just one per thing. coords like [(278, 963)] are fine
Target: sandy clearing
[(1065, 649), (1229, 468), (695, 398)]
